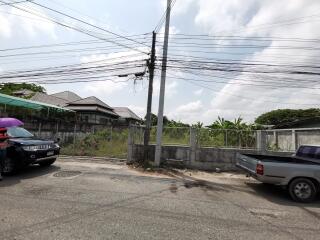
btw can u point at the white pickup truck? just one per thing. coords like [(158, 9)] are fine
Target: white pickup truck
[(299, 174)]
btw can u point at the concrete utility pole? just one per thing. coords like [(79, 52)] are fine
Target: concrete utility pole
[(162, 86), (150, 90)]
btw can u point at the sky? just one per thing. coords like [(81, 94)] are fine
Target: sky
[(186, 101)]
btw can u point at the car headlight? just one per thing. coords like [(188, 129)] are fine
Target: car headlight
[(56, 145), (30, 148)]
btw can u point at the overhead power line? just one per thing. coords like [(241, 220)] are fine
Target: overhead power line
[(163, 17), (74, 28), (50, 52), (11, 3), (84, 22), (138, 36), (208, 88)]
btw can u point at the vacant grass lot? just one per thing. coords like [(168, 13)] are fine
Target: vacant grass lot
[(104, 143), (113, 142)]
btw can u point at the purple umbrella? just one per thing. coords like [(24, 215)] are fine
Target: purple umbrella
[(10, 122)]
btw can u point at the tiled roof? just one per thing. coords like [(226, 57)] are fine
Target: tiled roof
[(67, 95), (44, 98), (90, 101), (92, 108), (126, 113)]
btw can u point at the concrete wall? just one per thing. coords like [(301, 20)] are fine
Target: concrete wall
[(203, 158), (65, 137), (291, 139)]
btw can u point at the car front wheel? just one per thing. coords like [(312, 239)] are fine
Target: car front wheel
[(302, 190)]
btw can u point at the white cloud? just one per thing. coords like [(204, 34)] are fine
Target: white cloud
[(102, 89), (192, 107), (198, 92), (220, 15), (188, 112), (172, 30), (170, 90), (180, 7), (130, 55), (5, 29), (249, 19), (18, 22), (140, 111)]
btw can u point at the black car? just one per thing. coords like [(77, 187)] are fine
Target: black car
[(25, 149)]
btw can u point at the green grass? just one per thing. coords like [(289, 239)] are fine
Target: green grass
[(100, 144), (107, 143)]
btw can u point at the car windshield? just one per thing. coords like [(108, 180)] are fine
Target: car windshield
[(18, 132)]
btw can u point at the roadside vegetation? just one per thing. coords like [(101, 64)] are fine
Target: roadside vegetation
[(104, 143)]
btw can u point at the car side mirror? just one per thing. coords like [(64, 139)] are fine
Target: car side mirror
[(57, 140)]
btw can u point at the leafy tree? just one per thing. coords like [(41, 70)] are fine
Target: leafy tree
[(166, 121), (198, 125), (280, 116), (221, 123), (10, 88), (236, 124)]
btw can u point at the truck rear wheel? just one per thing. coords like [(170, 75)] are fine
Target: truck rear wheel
[(302, 190)]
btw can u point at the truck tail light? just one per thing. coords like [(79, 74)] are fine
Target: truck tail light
[(259, 169)]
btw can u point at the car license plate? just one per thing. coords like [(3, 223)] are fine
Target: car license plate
[(50, 153)]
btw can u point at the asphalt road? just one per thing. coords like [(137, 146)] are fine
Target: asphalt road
[(79, 200)]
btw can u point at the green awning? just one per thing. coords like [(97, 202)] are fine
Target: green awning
[(25, 103)]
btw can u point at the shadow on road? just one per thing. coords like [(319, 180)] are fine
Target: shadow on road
[(279, 195), (32, 171), (271, 193)]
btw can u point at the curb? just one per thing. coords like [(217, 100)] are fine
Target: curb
[(89, 158)]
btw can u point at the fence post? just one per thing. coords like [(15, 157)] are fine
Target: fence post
[(226, 138), (56, 135), (74, 138), (193, 144), (294, 139), (39, 129), (130, 144), (276, 141)]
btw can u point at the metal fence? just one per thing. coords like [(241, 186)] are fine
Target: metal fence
[(282, 140), (106, 142), (205, 137), (226, 138), (113, 141), (171, 135)]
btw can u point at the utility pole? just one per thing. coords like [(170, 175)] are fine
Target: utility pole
[(157, 156), (151, 66)]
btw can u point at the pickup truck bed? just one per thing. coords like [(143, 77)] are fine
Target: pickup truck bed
[(268, 158)]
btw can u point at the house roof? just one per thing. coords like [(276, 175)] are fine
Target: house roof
[(93, 108), (67, 95), (90, 101), (126, 113), (49, 99)]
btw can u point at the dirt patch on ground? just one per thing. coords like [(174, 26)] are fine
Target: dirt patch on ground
[(189, 174)]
